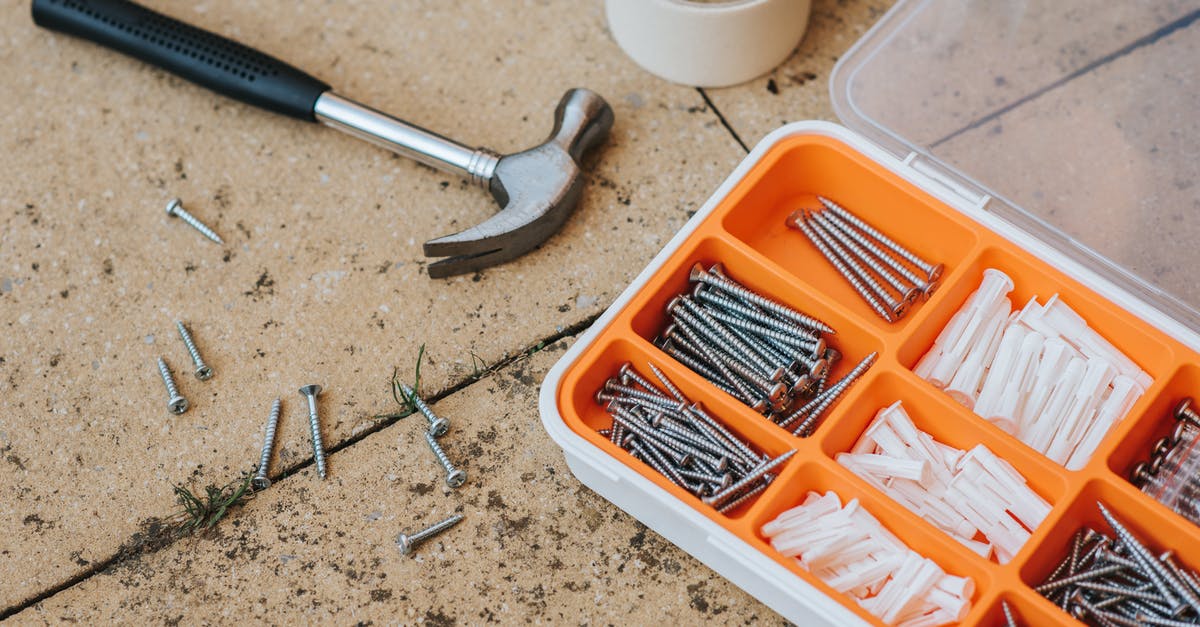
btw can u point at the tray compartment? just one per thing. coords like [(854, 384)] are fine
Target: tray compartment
[(1141, 516), (792, 175), (1134, 442), (823, 477), (1028, 608)]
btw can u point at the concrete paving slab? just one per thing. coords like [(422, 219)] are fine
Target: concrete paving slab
[(321, 277), (534, 546)]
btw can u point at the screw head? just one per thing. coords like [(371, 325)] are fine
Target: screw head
[(311, 390), (456, 478), (260, 483), (936, 272), (912, 295), (929, 288), (403, 544), (439, 427), (204, 373), (172, 206), (178, 405), (1182, 408), (900, 309)]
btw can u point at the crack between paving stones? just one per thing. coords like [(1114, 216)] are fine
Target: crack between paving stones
[(737, 138), (124, 554)]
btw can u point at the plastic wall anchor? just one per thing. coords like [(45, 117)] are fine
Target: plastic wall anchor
[(1007, 410), (1081, 410), (952, 358), (887, 466), (1075, 330), (1056, 353), (1047, 423), (948, 336), (1125, 392), (964, 387), (998, 373)]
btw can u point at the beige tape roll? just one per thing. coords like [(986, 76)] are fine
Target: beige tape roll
[(710, 43)]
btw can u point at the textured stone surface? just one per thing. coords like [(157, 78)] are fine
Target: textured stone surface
[(534, 544), (321, 276)]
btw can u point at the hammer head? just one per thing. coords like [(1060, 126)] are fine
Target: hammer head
[(537, 190)]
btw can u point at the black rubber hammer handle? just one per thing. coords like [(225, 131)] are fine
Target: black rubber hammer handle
[(197, 55)]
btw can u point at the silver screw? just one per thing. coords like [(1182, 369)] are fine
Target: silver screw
[(454, 476), (437, 426), (908, 293), (176, 403), (408, 542), (314, 423), (895, 308), (662, 378), (933, 271), (1154, 571), (721, 497), (175, 208), (800, 221), (1009, 620), (203, 372), (926, 286), (260, 480), (699, 274)]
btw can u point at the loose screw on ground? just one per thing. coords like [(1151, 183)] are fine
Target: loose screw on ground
[(203, 371), (437, 426), (260, 480), (408, 542), (314, 423), (454, 476), (175, 208), (175, 403)]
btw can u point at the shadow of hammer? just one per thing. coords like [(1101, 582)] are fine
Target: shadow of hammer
[(537, 189)]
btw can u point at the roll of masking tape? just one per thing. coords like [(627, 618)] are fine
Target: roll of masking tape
[(710, 43)]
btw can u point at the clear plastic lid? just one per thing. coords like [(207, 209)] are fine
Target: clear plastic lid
[(1077, 121)]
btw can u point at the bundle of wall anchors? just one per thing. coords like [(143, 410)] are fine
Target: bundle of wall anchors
[(1172, 474), (871, 262), (769, 356), (1115, 579), (968, 494), (683, 442), (847, 548), (1040, 373)]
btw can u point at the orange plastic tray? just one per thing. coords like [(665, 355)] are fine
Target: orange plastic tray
[(746, 232)]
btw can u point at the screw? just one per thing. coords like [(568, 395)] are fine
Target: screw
[(260, 480), (795, 334), (720, 335), (177, 404), (175, 208), (896, 308), (408, 542), (1184, 412), (1009, 620), (662, 378), (757, 473), (203, 372), (1154, 571), (934, 272), (699, 274), (437, 426), (926, 286), (908, 293), (745, 496), (800, 221), (314, 423), (454, 476)]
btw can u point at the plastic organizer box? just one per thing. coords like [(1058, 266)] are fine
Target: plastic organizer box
[(743, 227)]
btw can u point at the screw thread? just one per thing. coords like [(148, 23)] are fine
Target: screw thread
[(737, 289), (176, 209), (264, 459), (794, 333), (419, 403), (662, 378), (314, 425), (711, 358), (168, 380), (818, 240), (857, 235), (858, 223), (434, 529), (191, 347), (719, 498), (725, 339), (743, 497), (893, 306), (442, 458), (864, 256)]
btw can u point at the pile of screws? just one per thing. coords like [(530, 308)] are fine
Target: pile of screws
[(455, 477), (1172, 475), (763, 353), (865, 257), (1118, 580), (847, 548), (682, 442)]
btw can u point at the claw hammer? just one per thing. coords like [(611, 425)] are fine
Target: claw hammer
[(537, 189)]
